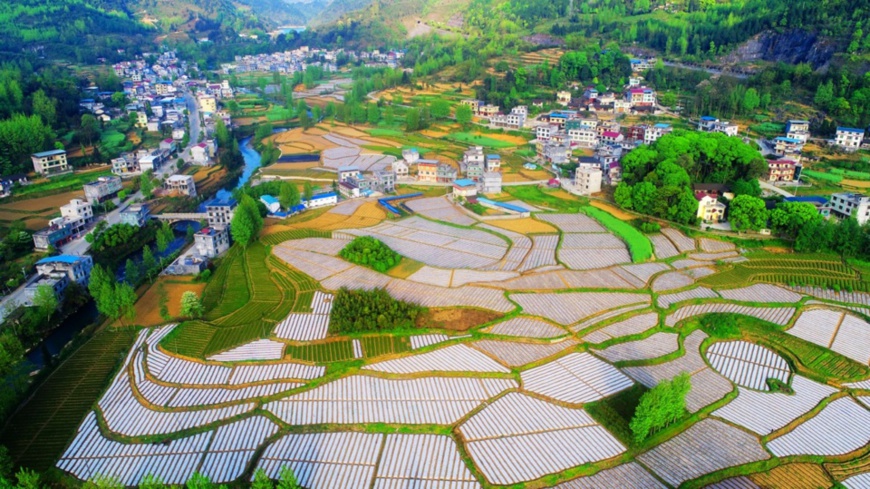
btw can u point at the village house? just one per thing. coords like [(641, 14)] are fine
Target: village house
[(271, 203), (49, 163), (490, 183), (77, 215), (787, 146), (211, 242), (493, 162), (849, 138), (321, 200), (544, 132), (385, 181), (410, 155), (220, 212), (563, 98), (181, 184), (464, 188), (445, 173), (652, 134), (610, 137), (487, 110), (780, 170), (135, 215), (400, 169), (710, 210), (427, 170), (587, 180), (54, 235), (103, 188), (76, 268), (583, 136)]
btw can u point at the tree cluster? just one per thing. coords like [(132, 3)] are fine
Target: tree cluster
[(355, 311), (370, 252), (114, 300), (247, 221), (660, 407)]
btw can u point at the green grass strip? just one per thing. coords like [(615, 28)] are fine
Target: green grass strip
[(638, 244)]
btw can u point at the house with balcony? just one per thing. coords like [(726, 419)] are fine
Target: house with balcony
[(48, 163)]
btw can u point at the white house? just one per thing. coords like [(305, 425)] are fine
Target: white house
[(849, 138), (587, 180), (847, 205), (271, 203), (321, 200), (400, 168)]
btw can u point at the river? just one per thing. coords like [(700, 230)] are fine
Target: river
[(87, 314)]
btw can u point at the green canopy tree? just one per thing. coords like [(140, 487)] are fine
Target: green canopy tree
[(247, 222), (191, 305), (45, 301), (789, 217), (747, 213), (660, 407)]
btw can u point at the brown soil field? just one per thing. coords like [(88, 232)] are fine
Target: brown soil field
[(297, 166), (525, 225), (855, 183), (793, 476), (456, 319), (405, 268), (366, 215), (47, 204), (616, 211), (148, 305), (512, 177), (433, 134)]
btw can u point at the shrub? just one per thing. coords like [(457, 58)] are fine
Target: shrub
[(372, 253), (371, 310), (776, 385), (721, 325)]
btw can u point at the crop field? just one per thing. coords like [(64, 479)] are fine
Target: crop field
[(575, 378), (841, 332), (569, 308), (654, 346), (841, 427), (517, 354), (527, 327), (454, 358)]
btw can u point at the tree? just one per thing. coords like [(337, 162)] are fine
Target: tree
[(412, 120), (643, 196), (165, 236), (149, 263), (163, 301), (198, 481), (191, 305), (463, 115), (751, 100), (221, 133), (622, 196), (288, 195), (307, 192), (747, 187), (146, 185), (747, 213), (261, 480), (247, 222), (373, 114), (151, 481), (45, 107), (132, 272), (287, 479), (439, 108), (89, 129), (45, 301), (125, 300), (660, 406), (789, 218)]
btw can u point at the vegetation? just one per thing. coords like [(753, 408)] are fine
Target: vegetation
[(370, 252), (114, 300), (638, 245), (747, 213), (355, 311), (663, 405), (191, 305), (247, 221)]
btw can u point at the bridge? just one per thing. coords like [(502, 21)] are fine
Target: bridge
[(173, 217)]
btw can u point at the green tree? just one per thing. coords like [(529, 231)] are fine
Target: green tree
[(163, 301), (789, 218), (164, 236), (412, 120), (660, 407), (463, 115), (287, 479), (89, 129), (247, 222), (149, 263), (125, 300), (221, 133), (146, 185), (132, 272), (191, 305), (150, 481), (307, 192), (288, 195), (45, 107), (622, 196), (198, 481), (643, 196), (261, 480), (45, 301), (439, 108), (747, 213), (751, 100), (28, 479), (373, 114)]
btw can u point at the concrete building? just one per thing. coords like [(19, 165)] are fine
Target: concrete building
[(655, 132), (490, 183), (321, 200), (611, 137), (55, 234), (846, 205), (849, 138), (207, 104), (103, 188), (710, 210), (220, 212), (347, 172), (77, 215), (780, 170), (445, 173), (583, 136), (563, 98), (57, 284), (787, 146), (271, 203), (410, 155), (464, 188), (76, 268), (587, 180), (135, 215), (181, 184), (796, 125), (493, 162), (385, 181), (401, 169), (49, 163), (211, 242), (427, 170)]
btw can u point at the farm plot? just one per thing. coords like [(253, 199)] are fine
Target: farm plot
[(688, 263), (573, 223), (766, 412), (518, 251), (526, 327), (707, 385), (627, 476), (670, 281), (747, 364), (501, 437), (631, 326), (356, 277), (255, 350), (533, 281), (422, 461), (542, 254), (325, 460), (775, 315), (571, 307), (515, 354), (697, 273), (432, 296), (433, 276), (654, 346), (438, 245), (644, 271), (423, 340), (325, 246), (363, 399), (307, 327), (603, 317), (312, 264), (244, 374), (462, 276), (575, 378), (347, 207), (441, 209), (831, 295), (174, 370), (454, 358), (682, 242), (860, 481), (715, 246), (662, 246), (760, 293), (841, 427), (724, 255), (843, 333), (589, 259), (793, 476), (665, 301), (707, 446)]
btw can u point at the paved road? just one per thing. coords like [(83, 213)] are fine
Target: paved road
[(712, 71), (774, 188), (193, 117)]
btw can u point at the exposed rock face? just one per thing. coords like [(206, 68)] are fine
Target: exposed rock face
[(796, 46)]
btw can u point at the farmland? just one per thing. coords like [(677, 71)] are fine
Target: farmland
[(539, 337)]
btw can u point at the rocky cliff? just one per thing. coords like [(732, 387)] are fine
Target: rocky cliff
[(796, 46)]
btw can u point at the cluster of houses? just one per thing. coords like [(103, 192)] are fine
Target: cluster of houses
[(298, 59)]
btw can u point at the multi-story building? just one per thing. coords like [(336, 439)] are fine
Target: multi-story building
[(207, 104), (220, 212), (490, 183), (710, 210), (76, 268), (464, 187), (427, 170), (445, 173), (493, 162), (563, 98), (488, 110), (712, 124), (787, 146), (610, 137), (211, 242), (583, 136), (543, 133), (54, 235), (587, 180), (780, 170), (181, 184), (474, 104), (385, 181), (849, 138), (652, 134), (400, 168), (77, 215), (103, 188), (846, 205), (641, 97), (135, 215), (57, 284), (472, 163), (347, 172), (49, 163), (122, 166), (796, 125)]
